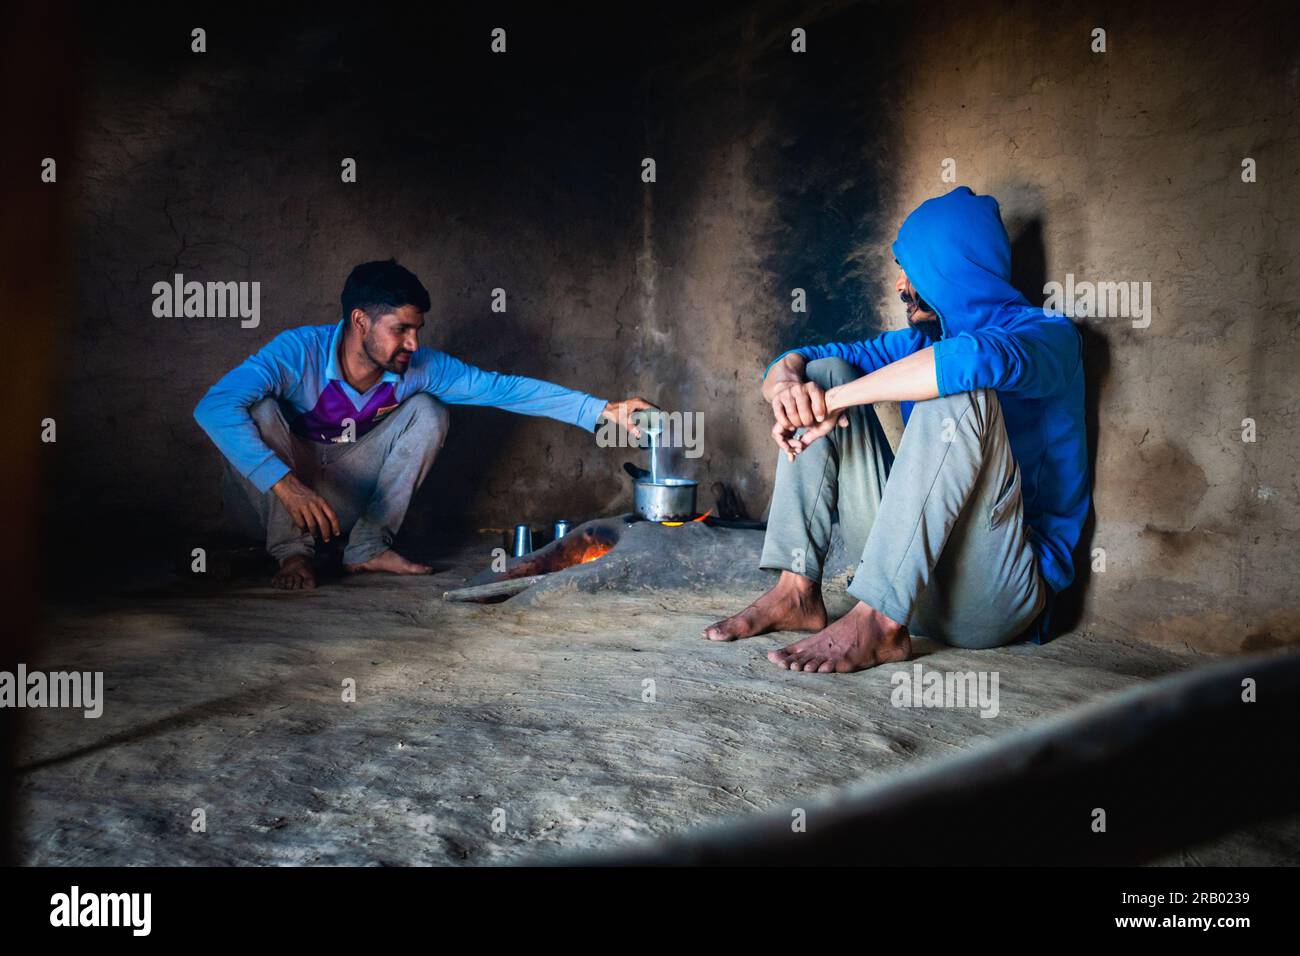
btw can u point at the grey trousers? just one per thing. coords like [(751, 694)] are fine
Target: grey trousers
[(368, 482), (940, 528)]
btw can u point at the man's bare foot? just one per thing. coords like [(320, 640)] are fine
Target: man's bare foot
[(295, 574), (860, 639), (390, 562), (794, 604)]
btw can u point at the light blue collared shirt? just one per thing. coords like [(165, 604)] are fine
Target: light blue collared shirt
[(300, 367)]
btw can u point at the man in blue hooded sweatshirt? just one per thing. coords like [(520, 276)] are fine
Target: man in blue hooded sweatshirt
[(967, 534)]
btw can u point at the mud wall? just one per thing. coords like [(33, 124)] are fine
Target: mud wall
[(775, 170)]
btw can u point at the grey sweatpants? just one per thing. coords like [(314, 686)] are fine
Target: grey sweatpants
[(940, 528), (368, 482)]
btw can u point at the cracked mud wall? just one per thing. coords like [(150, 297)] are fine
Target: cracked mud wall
[(774, 171)]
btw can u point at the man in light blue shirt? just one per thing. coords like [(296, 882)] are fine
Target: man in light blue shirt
[(329, 430)]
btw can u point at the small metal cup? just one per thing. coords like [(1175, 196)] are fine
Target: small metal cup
[(560, 529), (523, 540)]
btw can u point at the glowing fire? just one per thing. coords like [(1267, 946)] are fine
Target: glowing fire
[(593, 552), (678, 524)]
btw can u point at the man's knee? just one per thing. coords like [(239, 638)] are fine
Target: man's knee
[(265, 410), (269, 418), (426, 418), (979, 406), (829, 372)]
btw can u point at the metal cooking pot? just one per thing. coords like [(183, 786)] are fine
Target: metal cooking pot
[(668, 499)]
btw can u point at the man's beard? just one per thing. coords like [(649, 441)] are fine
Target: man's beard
[(392, 364), (930, 328)]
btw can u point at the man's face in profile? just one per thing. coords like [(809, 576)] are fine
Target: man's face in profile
[(919, 314), (392, 338)]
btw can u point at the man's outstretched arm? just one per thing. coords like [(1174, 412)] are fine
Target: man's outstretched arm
[(459, 383)]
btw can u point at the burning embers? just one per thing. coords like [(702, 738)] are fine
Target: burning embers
[(665, 501), (584, 544), (592, 552), (567, 559), (581, 545)]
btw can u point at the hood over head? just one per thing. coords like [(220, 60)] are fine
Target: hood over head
[(957, 256)]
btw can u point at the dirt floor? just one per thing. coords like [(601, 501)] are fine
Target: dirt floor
[(482, 734)]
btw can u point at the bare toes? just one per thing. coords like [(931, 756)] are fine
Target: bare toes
[(797, 661), (717, 632)]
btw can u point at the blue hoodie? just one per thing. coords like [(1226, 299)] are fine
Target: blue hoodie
[(956, 254)]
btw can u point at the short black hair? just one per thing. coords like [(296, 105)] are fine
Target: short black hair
[(382, 286)]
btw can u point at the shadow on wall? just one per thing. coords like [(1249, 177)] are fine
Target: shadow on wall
[(226, 167), (517, 172), (1029, 276), (829, 169)]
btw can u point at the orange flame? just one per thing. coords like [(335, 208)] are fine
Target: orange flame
[(593, 552), (678, 524)]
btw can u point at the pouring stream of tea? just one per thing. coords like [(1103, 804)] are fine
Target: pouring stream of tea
[(652, 428)]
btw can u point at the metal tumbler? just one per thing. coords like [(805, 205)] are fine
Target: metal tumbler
[(560, 530), (523, 540)]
